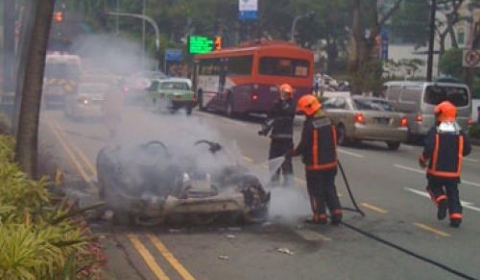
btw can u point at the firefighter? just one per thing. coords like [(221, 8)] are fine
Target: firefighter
[(445, 146), (280, 123), (319, 152), (113, 107)]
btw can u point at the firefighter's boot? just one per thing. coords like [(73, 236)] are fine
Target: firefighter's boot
[(336, 217), (442, 209), (455, 220), (318, 219)]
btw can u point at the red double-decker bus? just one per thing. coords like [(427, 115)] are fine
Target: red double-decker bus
[(245, 79)]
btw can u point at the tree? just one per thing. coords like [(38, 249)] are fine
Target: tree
[(27, 136), (411, 22), (364, 64), (451, 63)]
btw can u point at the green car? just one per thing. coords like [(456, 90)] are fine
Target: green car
[(171, 94)]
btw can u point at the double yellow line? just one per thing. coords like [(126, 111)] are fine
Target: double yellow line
[(80, 161)]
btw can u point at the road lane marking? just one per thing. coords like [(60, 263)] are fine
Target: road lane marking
[(147, 257), (170, 257), (465, 204), (310, 235), (409, 168), (301, 181), (350, 153), (423, 172), (71, 155), (374, 208), (79, 152), (245, 158), (432, 230), (470, 159)]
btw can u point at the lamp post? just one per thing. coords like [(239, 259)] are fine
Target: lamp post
[(145, 19), (294, 24), (143, 34), (431, 40)]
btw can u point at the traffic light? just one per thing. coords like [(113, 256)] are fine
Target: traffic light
[(217, 44), (58, 16)]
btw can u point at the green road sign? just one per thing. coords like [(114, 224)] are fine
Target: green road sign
[(199, 44)]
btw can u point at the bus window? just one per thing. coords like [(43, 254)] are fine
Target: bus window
[(276, 66), (241, 65), (209, 67), (437, 94)]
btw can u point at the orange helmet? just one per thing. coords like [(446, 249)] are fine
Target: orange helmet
[(445, 111), (288, 89), (308, 104)]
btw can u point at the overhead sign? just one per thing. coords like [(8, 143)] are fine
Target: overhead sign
[(247, 9), (471, 58), (173, 55), (247, 5), (199, 44), (384, 46)]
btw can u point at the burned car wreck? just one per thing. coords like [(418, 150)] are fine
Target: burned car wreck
[(149, 184)]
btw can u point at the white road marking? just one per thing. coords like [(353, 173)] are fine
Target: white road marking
[(350, 153), (409, 168), (470, 159), (465, 204), (310, 235), (423, 172)]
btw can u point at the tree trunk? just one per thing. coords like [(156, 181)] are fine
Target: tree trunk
[(22, 59), (27, 136)]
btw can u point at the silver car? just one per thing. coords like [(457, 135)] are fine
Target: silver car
[(88, 102), (359, 118)]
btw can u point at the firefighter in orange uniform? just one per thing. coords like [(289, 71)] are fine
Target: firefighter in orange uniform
[(318, 149), (445, 146)]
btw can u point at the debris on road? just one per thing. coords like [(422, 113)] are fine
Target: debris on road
[(285, 251), (223, 258)]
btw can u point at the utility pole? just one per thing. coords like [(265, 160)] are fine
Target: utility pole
[(431, 43), (143, 35), (8, 44)]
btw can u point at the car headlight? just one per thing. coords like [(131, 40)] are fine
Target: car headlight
[(83, 101)]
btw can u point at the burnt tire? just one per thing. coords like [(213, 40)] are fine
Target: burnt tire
[(393, 145)]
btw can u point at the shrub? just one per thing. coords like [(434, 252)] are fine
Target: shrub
[(474, 131), (40, 239)]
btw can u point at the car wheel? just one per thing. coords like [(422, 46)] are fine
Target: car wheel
[(342, 139), (201, 107), (393, 145), (229, 110)]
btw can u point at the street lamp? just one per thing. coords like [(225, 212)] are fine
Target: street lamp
[(294, 24), (145, 19)]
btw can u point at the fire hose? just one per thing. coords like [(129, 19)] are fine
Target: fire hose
[(356, 209)]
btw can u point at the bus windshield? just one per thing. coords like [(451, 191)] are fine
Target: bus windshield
[(458, 96), (279, 66)]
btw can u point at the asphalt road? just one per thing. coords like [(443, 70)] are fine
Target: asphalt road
[(399, 238)]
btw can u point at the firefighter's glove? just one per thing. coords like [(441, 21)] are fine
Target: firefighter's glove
[(422, 162), (288, 155)]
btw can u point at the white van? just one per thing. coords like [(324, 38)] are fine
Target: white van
[(418, 100)]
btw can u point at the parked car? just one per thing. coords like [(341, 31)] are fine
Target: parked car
[(150, 183), (417, 100), (87, 102), (358, 118), (135, 85), (172, 94)]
